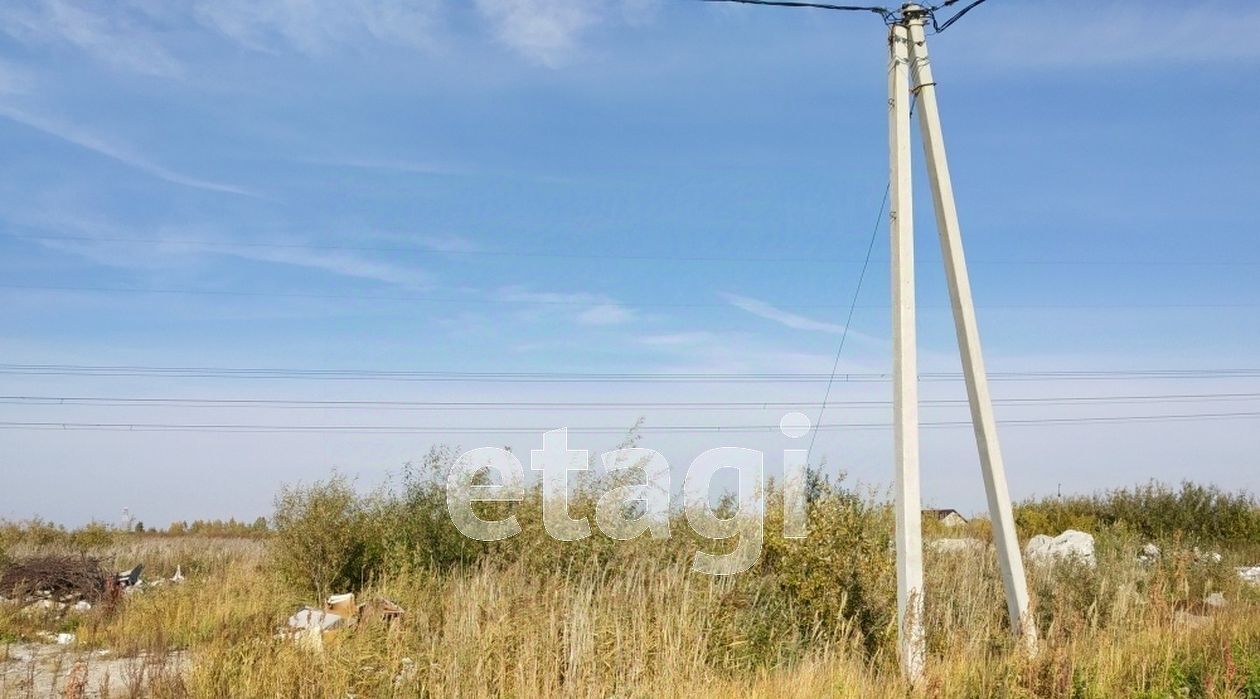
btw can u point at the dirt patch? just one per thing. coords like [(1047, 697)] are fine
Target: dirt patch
[(37, 670)]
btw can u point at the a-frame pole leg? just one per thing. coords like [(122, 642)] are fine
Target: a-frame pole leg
[(905, 365), (1004, 534)]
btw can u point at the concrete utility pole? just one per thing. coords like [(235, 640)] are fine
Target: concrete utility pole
[(905, 363), (907, 58), (908, 43)]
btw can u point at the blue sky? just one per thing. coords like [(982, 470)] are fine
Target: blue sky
[(605, 186)]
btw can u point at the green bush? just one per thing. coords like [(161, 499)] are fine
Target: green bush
[(327, 539), (1154, 511), (842, 574), (418, 530)]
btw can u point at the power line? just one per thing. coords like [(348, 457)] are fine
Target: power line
[(177, 242), (848, 321), (414, 429), (815, 259), (402, 405), (881, 11), (171, 372), (939, 27), (889, 16), (533, 301)]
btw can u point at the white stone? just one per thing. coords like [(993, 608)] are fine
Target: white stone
[(955, 545), (1216, 600), (82, 606), (315, 619), (45, 605), (1250, 575), (1068, 545), (1208, 557), (1149, 553)]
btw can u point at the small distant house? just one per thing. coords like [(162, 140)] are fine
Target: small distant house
[(949, 518)]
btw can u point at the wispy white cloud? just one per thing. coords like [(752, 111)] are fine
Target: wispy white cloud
[(679, 339), (605, 314), (345, 264), (135, 34), (114, 150), (443, 243), (546, 31), (316, 26), (111, 36), (780, 316), (550, 32), (170, 248), (587, 308)]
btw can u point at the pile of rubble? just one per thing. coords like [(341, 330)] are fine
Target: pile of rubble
[(55, 582), (311, 627), (59, 584)]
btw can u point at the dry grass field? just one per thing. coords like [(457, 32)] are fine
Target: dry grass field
[(598, 618)]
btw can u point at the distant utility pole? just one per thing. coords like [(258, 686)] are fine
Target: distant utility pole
[(908, 61)]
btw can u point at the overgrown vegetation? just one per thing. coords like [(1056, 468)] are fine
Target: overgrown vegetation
[(531, 616), (1198, 514)]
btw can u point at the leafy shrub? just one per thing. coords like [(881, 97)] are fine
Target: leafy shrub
[(1155, 511), (842, 574), (326, 539)]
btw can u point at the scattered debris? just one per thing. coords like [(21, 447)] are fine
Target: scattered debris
[(1070, 544), (309, 626), (956, 545), (61, 639), (342, 605), (1208, 557), (46, 605), (383, 610), (130, 578), (49, 578), (406, 672), (1149, 553), (178, 577), (1250, 575), (307, 618)]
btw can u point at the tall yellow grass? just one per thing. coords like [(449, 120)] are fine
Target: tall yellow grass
[(598, 618)]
